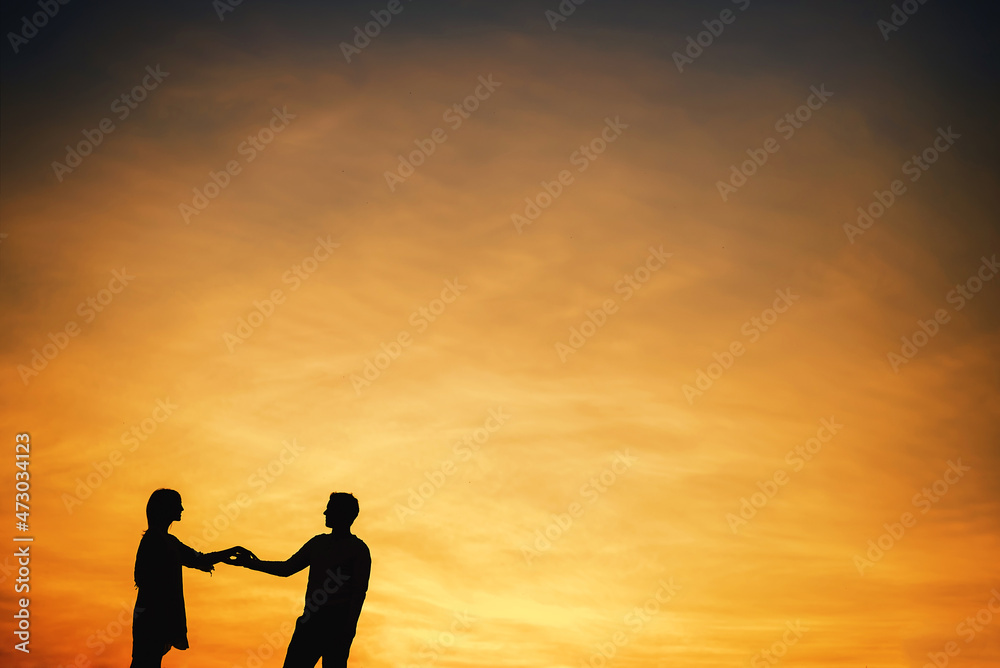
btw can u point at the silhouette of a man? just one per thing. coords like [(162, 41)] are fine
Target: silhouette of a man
[(159, 621), (339, 567)]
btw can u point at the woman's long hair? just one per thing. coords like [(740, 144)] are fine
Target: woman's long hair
[(161, 506)]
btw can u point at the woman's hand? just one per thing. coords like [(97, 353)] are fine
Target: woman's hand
[(238, 556)]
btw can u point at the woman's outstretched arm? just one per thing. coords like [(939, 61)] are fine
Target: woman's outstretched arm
[(206, 561)]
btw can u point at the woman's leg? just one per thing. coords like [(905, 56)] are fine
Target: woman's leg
[(148, 655)]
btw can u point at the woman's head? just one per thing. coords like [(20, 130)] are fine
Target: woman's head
[(164, 506)]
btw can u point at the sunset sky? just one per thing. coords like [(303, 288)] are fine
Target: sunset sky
[(609, 392)]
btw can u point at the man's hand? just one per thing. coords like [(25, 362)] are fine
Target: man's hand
[(239, 556)]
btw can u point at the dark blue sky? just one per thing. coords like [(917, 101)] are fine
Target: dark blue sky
[(944, 58)]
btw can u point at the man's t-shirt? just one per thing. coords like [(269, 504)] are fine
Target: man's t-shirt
[(339, 569)]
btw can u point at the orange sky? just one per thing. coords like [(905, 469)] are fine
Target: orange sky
[(483, 414)]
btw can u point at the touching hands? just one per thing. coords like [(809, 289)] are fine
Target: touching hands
[(239, 556)]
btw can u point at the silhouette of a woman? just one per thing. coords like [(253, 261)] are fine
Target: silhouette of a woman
[(159, 621)]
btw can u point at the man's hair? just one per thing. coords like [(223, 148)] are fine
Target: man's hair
[(161, 506), (345, 506)]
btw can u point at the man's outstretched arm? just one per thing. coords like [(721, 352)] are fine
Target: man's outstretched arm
[(283, 569)]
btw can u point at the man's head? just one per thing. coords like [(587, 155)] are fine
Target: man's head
[(341, 510)]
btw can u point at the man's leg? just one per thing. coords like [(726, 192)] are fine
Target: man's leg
[(335, 655), (340, 629), (305, 647)]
